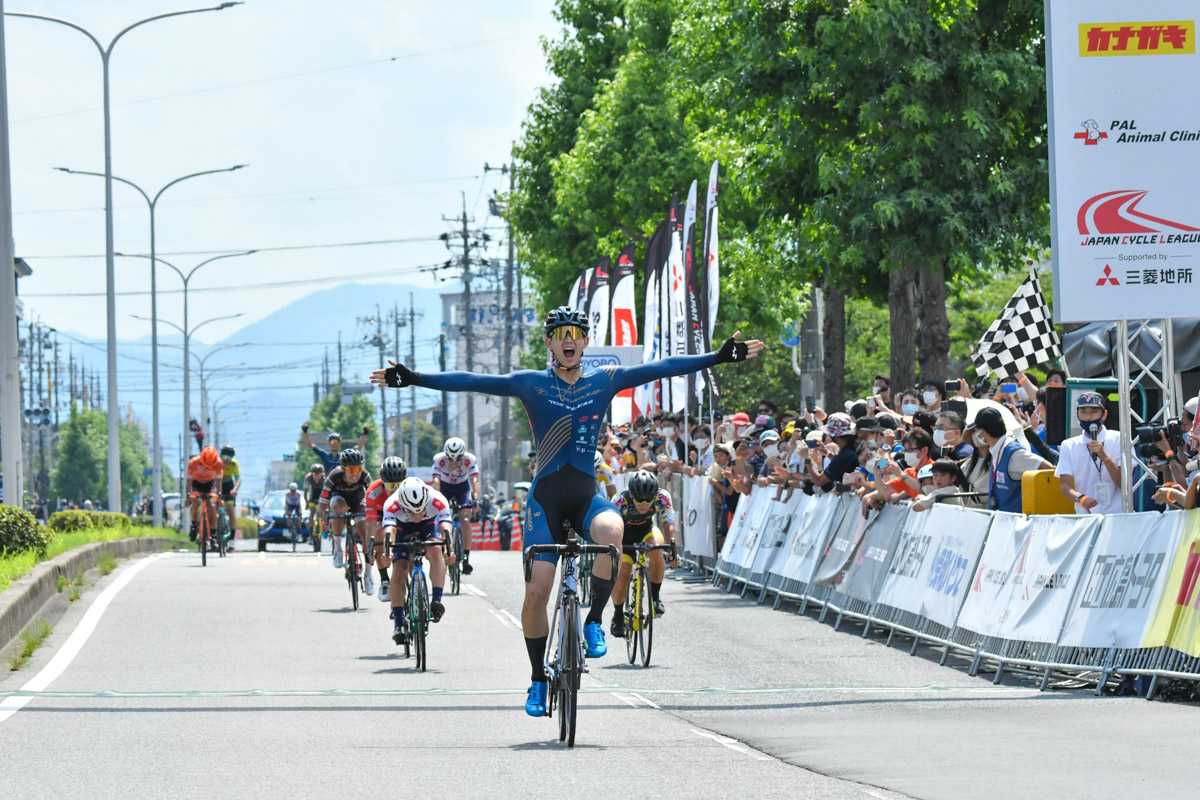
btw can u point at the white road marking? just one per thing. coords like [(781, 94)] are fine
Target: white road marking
[(74, 643), (647, 702), (469, 589), (624, 699), (636, 699), (514, 620), (732, 744), (500, 617)]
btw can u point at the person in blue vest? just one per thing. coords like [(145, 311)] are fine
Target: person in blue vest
[(1008, 460)]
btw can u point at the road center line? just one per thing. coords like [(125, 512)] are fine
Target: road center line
[(63, 658), (732, 744), (514, 620), (500, 617), (469, 589)]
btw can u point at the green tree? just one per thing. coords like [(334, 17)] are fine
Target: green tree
[(135, 461), (81, 470), (429, 442), (329, 414)]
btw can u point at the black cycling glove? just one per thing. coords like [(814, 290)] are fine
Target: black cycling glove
[(400, 376), (733, 350)]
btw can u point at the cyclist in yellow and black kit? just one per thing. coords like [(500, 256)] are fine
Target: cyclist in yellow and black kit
[(314, 481), (231, 482), (638, 505)]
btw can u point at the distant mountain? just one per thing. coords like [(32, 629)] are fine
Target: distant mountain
[(281, 357)]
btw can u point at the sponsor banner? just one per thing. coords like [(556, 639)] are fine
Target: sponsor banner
[(580, 301), (741, 543), (699, 528), (599, 295), (865, 576), (611, 356), (692, 268), (645, 397), (1124, 578), (623, 327), (1176, 620), (809, 535), (675, 296), (1026, 576), (935, 561), (843, 546), (1124, 158), (779, 520)]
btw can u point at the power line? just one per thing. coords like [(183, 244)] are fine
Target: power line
[(277, 249)]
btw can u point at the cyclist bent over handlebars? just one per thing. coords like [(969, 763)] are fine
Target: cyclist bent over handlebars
[(566, 405)]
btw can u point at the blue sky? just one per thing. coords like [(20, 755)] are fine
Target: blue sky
[(343, 144)]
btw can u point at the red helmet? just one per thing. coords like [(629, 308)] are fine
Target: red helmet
[(210, 458)]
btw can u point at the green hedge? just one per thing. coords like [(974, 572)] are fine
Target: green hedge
[(248, 527), (20, 532), (79, 520)]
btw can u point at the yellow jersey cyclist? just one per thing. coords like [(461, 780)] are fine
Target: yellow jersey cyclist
[(456, 476), (605, 477), (638, 505), (231, 482), (314, 482)]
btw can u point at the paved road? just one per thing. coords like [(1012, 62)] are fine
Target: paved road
[(279, 622)]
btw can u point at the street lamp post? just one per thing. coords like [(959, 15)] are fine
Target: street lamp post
[(114, 409), (156, 441)]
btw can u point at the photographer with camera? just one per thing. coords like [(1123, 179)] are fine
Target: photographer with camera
[(1089, 465)]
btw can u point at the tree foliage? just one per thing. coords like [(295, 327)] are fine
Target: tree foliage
[(81, 471)]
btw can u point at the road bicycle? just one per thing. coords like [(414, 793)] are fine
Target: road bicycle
[(353, 563), (204, 537), (455, 546), (638, 609), (417, 616), (585, 578), (568, 661), (293, 523)]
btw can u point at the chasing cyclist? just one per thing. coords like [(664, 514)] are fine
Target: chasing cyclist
[(330, 458), (392, 472), (638, 505), (314, 482), (417, 512), (456, 475), (204, 474), (566, 405), (343, 493), (291, 507), (231, 482)]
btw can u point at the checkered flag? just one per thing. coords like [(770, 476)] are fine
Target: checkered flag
[(1022, 336)]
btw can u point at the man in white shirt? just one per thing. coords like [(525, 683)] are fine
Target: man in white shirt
[(1089, 465)]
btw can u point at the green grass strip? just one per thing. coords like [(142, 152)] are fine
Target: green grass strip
[(14, 566)]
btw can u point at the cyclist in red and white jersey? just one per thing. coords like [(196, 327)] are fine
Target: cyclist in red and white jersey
[(392, 472), (456, 475), (415, 511)]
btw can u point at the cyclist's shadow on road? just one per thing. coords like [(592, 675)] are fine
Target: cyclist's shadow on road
[(334, 611), (554, 745)]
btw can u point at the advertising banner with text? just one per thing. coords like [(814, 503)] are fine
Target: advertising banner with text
[(1177, 618), (809, 535), (865, 576)]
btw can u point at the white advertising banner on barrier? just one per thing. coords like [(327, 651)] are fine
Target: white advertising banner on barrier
[(1026, 575), (865, 576), (847, 537), (742, 540), (1124, 577), (802, 551), (935, 561), (699, 531), (1124, 158), (781, 517)]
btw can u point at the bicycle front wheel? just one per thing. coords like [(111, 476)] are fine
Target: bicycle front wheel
[(420, 621), (646, 630), (202, 539), (629, 609), (455, 569), (352, 573), (568, 675), (585, 579)]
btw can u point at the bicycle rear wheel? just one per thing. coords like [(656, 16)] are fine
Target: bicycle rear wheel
[(629, 609), (455, 569), (585, 579), (314, 532), (420, 620), (221, 531), (352, 572), (202, 539), (295, 526), (646, 632)]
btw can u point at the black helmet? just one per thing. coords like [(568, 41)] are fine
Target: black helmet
[(335, 435), (643, 486), (351, 458), (227, 451), (393, 470), (563, 316)]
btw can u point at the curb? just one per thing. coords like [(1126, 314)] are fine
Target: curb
[(24, 599)]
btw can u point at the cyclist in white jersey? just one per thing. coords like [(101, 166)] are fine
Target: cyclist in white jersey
[(414, 511), (456, 475)]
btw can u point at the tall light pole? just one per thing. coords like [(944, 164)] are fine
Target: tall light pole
[(152, 202), (114, 409), (10, 377)]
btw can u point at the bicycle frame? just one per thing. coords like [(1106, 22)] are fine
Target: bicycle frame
[(566, 602)]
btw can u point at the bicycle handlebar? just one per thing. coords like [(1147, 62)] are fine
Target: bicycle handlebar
[(646, 547), (573, 547)]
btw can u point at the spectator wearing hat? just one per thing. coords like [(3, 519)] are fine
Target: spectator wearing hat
[(1089, 465), (768, 447), (840, 429), (1008, 460)]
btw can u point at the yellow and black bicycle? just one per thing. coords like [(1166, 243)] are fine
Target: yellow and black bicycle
[(639, 610)]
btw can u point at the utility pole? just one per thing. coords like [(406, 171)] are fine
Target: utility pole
[(506, 347), (466, 322), (380, 343), (10, 359), (442, 366), (340, 382)]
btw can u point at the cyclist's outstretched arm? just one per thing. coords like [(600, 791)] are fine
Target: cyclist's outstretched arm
[(731, 351), (398, 376)]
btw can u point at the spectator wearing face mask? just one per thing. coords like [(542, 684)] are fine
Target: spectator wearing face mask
[(881, 390), (741, 424), (932, 395), (1008, 460), (910, 402), (702, 440), (917, 444), (721, 478), (768, 443), (840, 428), (1026, 390), (948, 435), (1089, 465)]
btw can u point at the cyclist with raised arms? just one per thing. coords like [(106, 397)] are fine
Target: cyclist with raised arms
[(331, 457), (566, 404), (392, 472), (204, 475), (314, 482), (638, 505), (456, 476), (417, 512), (344, 491)]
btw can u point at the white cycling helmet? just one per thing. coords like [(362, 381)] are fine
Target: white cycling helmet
[(599, 461), (455, 448), (292, 487), (414, 495)]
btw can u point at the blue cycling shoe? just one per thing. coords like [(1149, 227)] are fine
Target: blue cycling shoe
[(535, 704), (593, 633)]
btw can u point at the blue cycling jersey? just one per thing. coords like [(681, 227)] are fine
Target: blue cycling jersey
[(566, 418)]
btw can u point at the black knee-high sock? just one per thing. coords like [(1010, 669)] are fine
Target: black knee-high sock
[(654, 589), (383, 573), (537, 657), (601, 592)]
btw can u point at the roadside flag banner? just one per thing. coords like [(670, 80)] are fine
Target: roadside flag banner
[(695, 327), (623, 325), (712, 270), (644, 396), (597, 303), (677, 305), (579, 303), (1021, 337)]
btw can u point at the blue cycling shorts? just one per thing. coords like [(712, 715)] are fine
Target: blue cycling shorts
[(566, 494)]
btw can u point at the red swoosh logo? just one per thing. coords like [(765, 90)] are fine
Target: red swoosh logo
[(1117, 213)]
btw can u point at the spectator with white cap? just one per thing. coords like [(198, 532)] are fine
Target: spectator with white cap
[(1089, 465)]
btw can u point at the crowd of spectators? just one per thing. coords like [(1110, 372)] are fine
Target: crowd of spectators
[(938, 442)]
